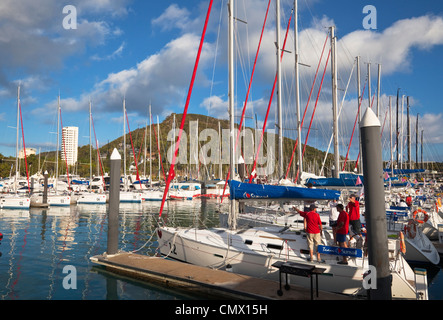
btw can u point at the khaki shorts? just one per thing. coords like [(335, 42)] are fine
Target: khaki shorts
[(314, 239)]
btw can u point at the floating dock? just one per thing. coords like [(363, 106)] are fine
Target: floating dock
[(210, 283)]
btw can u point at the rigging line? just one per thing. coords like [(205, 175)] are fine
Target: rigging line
[(247, 93), (338, 116), (64, 150), (159, 153), (171, 173), (98, 155), (313, 112), (358, 156), (269, 104), (132, 145), (307, 104), (215, 54), (355, 123), (24, 146)]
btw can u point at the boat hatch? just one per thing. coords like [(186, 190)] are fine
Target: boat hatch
[(274, 246), (248, 242)]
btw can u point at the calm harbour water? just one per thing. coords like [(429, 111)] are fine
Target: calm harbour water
[(38, 244)]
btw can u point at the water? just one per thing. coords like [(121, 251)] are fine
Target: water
[(39, 244)]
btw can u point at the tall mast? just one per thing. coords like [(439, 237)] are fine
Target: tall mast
[(58, 141), (358, 105), (220, 153), (279, 94), (334, 101), (369, 86), (416, 142), (401, 132), (408, 134), (390, 135), (421, 152), (124, 143), (150, 146), (17, 173), (90, 147), (232, 220), (396, 129), (297, 89), (378, 90)]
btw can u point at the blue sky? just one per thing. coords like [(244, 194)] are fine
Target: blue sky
[(145, 51)]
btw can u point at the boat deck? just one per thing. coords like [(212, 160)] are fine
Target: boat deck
[(210, 283)]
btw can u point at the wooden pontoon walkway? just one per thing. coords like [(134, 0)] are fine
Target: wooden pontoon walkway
[(215, 284)]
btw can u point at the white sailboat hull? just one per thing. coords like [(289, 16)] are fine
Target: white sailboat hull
[(91, 198), (15, 202), (128, 196), (252, 252)]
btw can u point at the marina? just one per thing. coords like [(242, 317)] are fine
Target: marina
[(38, 244), (203, 208)]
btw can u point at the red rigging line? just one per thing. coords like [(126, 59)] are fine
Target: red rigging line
[(307, 104), (171, 173), (247, 94), (313, 112), (252, 174), (352, 135)]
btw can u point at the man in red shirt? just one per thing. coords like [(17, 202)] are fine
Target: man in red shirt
[(353, 209), (342, 230), (313, 230)]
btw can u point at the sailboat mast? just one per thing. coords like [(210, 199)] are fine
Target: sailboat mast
[(150, 146), (358, 105), (416, 143), (297, 89), (58, 141), (378, 90), (124, 143), (17, 173), (232, 219), (279, 93), (390, 135), (408, 137), (334, 101), (90, 146), (369, 86)]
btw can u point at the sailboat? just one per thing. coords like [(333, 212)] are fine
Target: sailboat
[(15, 200), (254, 251), (54, 198), (126, 195), (91, 197)]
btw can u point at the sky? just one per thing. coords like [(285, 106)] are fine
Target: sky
[(144, 51)]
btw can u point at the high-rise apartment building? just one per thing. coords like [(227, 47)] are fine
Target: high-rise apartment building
[(70, 145)]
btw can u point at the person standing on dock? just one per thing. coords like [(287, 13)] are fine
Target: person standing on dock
[(313, 230), (342, 230), (353, 209)]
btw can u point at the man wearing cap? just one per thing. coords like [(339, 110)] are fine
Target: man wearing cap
[(313, 230), (353, 209)]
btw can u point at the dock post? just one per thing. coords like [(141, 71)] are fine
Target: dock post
[(375, 206), (45, 188), (114, 203)]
